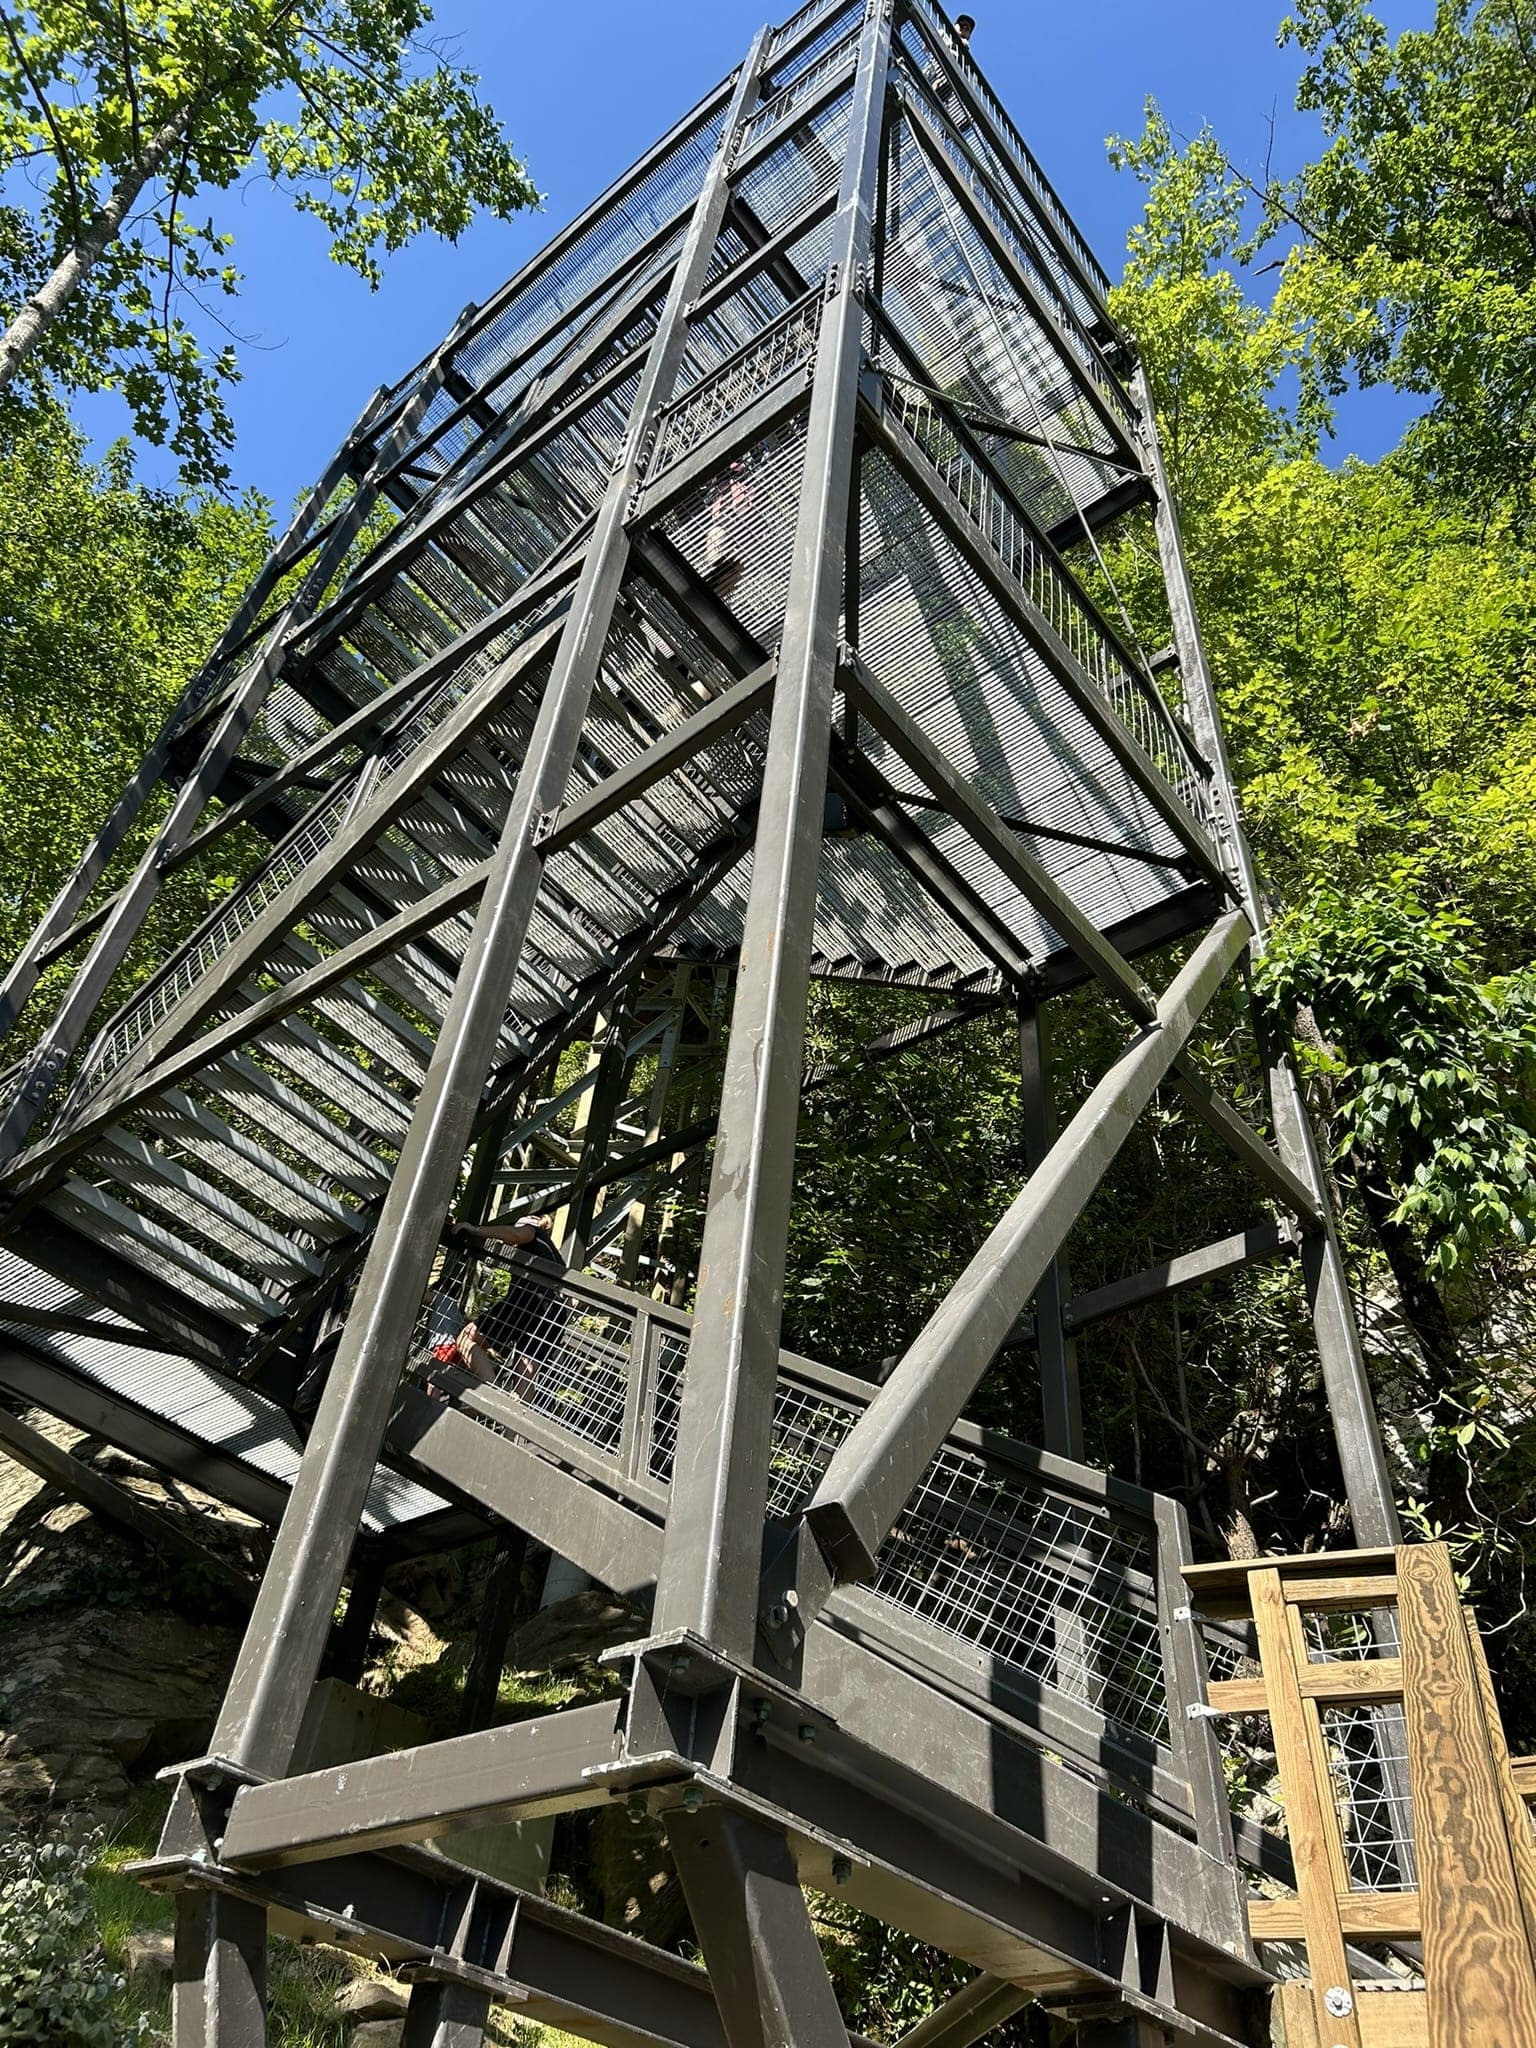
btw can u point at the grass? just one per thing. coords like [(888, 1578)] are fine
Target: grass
[(436, 1691), (302, 1983)]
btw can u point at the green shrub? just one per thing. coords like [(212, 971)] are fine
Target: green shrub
[(57, 1987)]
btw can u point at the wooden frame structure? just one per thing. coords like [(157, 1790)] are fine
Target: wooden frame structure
[(1424, 1844)]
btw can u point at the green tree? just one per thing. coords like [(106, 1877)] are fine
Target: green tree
[(1427, 1072), (1214, 357), (110, 596), (1415, 264), (118, 117), (1373, 641)]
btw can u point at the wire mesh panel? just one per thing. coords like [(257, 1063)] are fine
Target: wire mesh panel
[(1061, 1593), (1056, 1589), (1367, 1749), (738, 383), (549, 1344)]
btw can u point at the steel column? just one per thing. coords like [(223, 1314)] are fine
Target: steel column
[(1346, 1381), (498, 1604), (219, 1989), (595, 1120), (666, 1062), (445, 2015), (348, 1658), (749, 1913), (719, 1494), (281, 1651)]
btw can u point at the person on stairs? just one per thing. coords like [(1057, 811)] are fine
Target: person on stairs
[(519, 1337)]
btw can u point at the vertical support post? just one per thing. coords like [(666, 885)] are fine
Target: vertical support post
[(601, 1107), (712, 1554), (278, 1659), (1194, 1741), (666, 1060), (445, 2016), (1061, 1398), (1312, 1823), (219, 1995), (1366, 1480), (1479, 1971), (349, 1642), (685, 1189), (749, 1913), (498, 1603)]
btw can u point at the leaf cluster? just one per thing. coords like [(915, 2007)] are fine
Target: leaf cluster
[(157, 107)]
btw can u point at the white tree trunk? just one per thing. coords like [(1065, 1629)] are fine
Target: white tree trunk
[(50, 300)]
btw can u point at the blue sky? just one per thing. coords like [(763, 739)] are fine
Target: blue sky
[(585, 86)]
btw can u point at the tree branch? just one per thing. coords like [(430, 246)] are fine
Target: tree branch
[(45, 108)]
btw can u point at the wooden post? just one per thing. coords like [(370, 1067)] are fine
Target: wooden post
[(1479, 1967), (1315, 1847)]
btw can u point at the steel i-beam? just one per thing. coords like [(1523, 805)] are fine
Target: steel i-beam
[(277, 1662), (719, 1492)]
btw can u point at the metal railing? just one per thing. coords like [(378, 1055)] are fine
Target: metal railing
[(1019, 153), (773, 112), (1007, 226), (1054, 1579), (1133, 699), (782, 347), (789, 31)]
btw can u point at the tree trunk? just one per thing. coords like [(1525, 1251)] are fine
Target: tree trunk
[(45, 306), (1425, 1313)]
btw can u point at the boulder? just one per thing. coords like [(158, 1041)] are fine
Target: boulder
[(574, 1630), (149, 1962), (377, 2034), (367, 1999)]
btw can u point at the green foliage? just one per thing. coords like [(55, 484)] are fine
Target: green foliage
[(110, 595), (1214, 357), (1416, 262), (57, 1988), (165, 104), (1376, 657), (1433, 1072), (1372, 637), (887, 1982), (902, 1167)]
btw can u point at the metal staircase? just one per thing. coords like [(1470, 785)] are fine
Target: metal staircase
[(697, 620)]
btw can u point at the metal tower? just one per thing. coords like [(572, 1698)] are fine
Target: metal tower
[(695, 621)]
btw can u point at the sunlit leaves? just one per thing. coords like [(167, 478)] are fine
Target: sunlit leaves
[(1434, 1079), (1417, 264), (342, 103)]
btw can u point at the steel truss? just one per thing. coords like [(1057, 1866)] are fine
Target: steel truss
[(725, 637)]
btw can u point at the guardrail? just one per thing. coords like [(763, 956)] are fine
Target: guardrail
[(773, 112), (776, 352), (1134, 700), (1051, 1572)]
